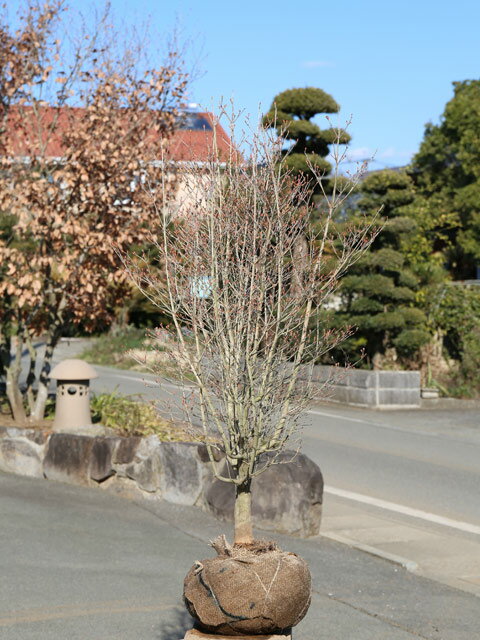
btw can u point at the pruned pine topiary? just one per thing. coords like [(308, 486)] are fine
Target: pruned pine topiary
[(307, 147), (379, 296)]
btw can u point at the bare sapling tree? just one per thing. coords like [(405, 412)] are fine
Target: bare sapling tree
[(243, 308), (79, 121)]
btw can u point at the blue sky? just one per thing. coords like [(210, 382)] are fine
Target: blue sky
[(390, 65)]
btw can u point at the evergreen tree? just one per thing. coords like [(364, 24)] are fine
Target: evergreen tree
[(379, 294), (446, 172), (291, 114)]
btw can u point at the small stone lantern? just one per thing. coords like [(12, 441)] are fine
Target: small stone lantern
[(73, 394)]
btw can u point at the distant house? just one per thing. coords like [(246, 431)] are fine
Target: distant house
[(191, 144), (194, 138)]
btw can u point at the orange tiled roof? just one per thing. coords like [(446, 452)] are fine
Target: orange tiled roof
[(191, 142), (195, 141)]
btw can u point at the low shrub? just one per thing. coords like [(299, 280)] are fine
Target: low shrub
[(133, 417)]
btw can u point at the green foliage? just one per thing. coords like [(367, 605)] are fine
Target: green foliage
[(380, 295), (413, 316), (387, 189), (305, 103), (7, 222), (366, 306), (291, 114), (381, 183), (387, 321), (401, 226), (115, 349), (110, 349), (276, 118), (470, 361), (300, 163), (386, 259), (430, 216), (456, 313), (298, 128), (132, 417), (446, 171), (409, 341), (402, 294), (334, 135), (408, 279)]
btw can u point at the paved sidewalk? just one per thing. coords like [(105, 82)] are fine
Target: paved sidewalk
[(79, 563), (427, 549)]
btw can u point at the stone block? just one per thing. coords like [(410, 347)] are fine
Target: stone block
[(286, 497), (399, 397), (321, 373), (399, 380), (182, 472), (360, 387), (361, 397), (361, 379), (39, 436), (124, 487), (126, 449), (22, 456), (341, 377), (145, 466), (101, 465), (338, 394), (203, 454), (67, 458)]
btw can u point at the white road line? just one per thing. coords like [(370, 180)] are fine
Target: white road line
[(334, 415), (150, 383), (380, 425), (407, 511)]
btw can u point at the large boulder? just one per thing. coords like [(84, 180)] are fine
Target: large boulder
[(182, 472), (68, 458), (145, 467), (22, 455), (286, 497), (101, 458)]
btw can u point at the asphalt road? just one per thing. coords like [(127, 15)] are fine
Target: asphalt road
[(418, 462), (424, 460), (76, 563), (80, 564)]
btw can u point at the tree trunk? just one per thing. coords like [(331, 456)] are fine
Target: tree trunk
[(5, 351), (243, 513), (29, 393), (14, 395), (299, 265), (38, 412)]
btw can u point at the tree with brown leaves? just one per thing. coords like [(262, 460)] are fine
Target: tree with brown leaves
[(75, 141)]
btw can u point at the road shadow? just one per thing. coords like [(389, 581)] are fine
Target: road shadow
[(178, 623)]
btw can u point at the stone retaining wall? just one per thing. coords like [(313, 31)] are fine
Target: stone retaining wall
[(377, 389), (285, 498)]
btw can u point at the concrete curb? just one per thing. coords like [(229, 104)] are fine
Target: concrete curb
[(409, 565)]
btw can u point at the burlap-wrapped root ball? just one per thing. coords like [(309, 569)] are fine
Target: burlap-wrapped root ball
[(248, 593)]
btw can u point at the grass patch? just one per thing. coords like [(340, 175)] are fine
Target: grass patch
[(130, 348), (111, 349)]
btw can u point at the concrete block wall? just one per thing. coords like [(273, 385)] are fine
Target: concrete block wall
[(378, 389)]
